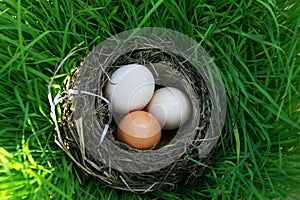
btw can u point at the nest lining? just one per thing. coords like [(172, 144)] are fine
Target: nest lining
[(113, 159)]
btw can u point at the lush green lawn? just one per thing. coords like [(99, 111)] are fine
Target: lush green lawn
[(254, 43)]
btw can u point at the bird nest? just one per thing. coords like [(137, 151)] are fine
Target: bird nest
[(86, 131)]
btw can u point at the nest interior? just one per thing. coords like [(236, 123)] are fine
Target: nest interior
[(115, 163)]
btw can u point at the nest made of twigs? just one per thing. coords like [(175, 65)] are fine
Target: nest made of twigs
[(118, 165)]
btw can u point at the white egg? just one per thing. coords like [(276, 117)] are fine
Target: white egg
[(170, 106), (131, 88)]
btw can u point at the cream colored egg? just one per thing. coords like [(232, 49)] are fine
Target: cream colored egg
[(131, 88), (171, 107)]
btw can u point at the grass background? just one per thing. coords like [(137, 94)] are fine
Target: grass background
[(254, 43)]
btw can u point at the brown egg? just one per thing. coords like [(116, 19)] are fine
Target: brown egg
[(140, 130)]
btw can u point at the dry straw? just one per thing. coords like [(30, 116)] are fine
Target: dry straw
[(86, 131)]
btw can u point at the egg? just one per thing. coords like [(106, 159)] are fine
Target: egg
[(130, 88), (140, 130), (170, 106)]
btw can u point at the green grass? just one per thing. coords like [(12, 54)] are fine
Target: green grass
[(254, 43)]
